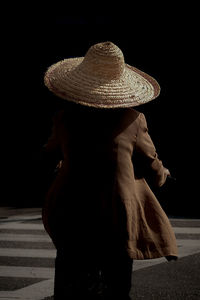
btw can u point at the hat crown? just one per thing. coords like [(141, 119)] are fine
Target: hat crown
[(104, 61)]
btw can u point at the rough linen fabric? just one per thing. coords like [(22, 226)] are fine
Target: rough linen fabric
[(100, 200)]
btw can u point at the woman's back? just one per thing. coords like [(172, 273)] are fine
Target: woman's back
[(90, 138)]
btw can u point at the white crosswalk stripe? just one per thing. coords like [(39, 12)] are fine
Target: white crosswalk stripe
[(18, 252), (24, 237), (30, 272), (28, 228), (11, 231), (16, 225)]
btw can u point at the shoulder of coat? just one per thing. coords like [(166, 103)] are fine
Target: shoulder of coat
[(133, 114), (134, 111), (129, 120)]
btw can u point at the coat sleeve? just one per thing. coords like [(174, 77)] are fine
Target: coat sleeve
[(51, 151), (52, 144), (148, 154)]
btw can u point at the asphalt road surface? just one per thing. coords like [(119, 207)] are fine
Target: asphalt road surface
[(27, 261)]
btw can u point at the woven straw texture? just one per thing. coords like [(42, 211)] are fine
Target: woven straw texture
[(101, 79)]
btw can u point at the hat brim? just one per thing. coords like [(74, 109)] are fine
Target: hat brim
[(67, 80)]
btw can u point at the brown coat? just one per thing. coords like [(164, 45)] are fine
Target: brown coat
[(100, 191)]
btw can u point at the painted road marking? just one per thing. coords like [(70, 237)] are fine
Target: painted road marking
[(18, 252), (26, 272), (24, 237), (37, 291), (44, 288)]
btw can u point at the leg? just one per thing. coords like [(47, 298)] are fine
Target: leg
[(118, 272), (63, 282), (70, 277), (77, 278)]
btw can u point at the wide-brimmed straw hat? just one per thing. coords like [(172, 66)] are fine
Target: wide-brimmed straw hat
[(101, 79)]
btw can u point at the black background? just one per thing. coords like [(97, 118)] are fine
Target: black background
[(161, 41)]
